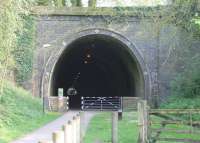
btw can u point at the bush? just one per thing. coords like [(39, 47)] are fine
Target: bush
[(187, 84)]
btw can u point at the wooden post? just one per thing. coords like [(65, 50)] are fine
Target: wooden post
[(115, 127), (58, 137), (60, 104), (143, 121), (44, 141), (60, 99), (78, 128), (74, 130), (120, 114), (82, 126), (68, 132)]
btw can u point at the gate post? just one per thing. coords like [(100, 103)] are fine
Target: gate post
[(78, 128), (115, 127), (60, 99), (82, 126), (143, 121)]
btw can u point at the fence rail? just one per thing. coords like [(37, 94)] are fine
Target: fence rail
[(174, 111), (169, 117)]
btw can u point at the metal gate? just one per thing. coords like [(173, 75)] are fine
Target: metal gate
[(101, 103)]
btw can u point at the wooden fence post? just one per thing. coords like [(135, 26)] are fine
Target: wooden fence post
[(115, 127), (44, 141), (78, 128), (143, 121), (82, 126), (68, 132), (58, 137), (74, 130)]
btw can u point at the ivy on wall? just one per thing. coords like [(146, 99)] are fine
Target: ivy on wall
[(10, 23), (16, 40), (24, 51)]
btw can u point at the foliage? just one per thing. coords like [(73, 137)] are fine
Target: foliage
[(20, 113), (187, 84), (185, 64), (11, 22), (175, 102), (183, 11), (184, 60), (43, 2), (196, 26), (23, 53)]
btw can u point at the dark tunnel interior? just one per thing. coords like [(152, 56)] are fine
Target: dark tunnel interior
[(95, 65)]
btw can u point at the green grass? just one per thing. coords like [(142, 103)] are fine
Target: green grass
[(197, 21), (100, 128), (20, 113)]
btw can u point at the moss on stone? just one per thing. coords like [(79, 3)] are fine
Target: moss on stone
[(128, 11)]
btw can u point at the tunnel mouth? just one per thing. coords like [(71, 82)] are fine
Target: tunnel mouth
[(96, 66)]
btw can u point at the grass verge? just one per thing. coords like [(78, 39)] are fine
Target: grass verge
[(99, 130), (20, 113)]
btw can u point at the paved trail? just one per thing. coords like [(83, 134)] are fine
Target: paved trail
[(46, 131)]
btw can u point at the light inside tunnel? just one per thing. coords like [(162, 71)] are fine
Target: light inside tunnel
[(97, 65)]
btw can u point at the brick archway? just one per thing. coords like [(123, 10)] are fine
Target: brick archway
[(132, 56)]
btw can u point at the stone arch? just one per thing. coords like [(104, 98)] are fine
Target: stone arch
[(143, 75)]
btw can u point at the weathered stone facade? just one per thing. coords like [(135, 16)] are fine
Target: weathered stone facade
[(142, 36)]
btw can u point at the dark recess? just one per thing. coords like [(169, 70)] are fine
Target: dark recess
[(106, 73)]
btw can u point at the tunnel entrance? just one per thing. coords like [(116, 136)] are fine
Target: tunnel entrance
[(97, 66)]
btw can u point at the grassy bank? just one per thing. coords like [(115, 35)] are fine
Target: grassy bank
[(100, 129), (20, 113)]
